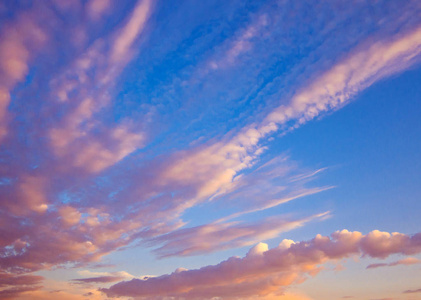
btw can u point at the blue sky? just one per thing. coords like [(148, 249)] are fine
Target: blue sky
[(210, 149)]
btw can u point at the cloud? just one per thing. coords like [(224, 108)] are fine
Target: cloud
[(406, 261), (381, 244), (284, 296), (105, 277), (98, 8), (175, 182), (12, 285), (124, 40), (64, 295), (78, 138), (7, 279), (215, 172), (120, 274), (242, 43), (101, 279), (30, 196), (69, 215), (61, 208), (213, 167), (219, 236), (20, 40), (360, 69), (265, 272), (14, 293), (412, 291)]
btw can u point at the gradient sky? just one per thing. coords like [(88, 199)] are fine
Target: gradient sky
[(191, 150)]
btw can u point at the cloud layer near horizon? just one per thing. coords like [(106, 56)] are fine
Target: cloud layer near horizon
[(263, 272)]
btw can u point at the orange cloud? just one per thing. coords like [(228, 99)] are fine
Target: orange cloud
[(263, 272)]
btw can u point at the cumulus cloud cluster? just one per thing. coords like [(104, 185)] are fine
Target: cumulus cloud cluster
[(262, 272)]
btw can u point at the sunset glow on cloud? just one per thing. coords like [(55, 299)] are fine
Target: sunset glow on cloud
[(216, 150)]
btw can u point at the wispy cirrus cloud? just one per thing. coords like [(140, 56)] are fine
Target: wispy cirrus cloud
[(220, 236), (357, 71), (239, 45), (79, 138), (21, 39), (212, 167)]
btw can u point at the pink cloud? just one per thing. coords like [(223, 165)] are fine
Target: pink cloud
[(264, 272), (381, 244), (14, 285), (98, 8), (242, 43), (201, 173), (90, 294), (88, 233), (15, 292), (333, 88), (122, 46), (220, 236), (53, 235), (69, 215), (79, 139), (30, 196), (406, 262), (68, 235), (7, 279), (20, 39), (213, 168)]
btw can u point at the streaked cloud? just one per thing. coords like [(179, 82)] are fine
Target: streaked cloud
[(406, 261), (412, 291), (101, 279), (219, 236), (122, 45), (20, 40)]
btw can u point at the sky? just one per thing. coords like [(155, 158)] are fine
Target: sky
[(218, 150)]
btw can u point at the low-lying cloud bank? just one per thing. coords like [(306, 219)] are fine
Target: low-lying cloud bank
[(263, 272)]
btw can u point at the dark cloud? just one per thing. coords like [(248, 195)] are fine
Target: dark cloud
[(100, 279)]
